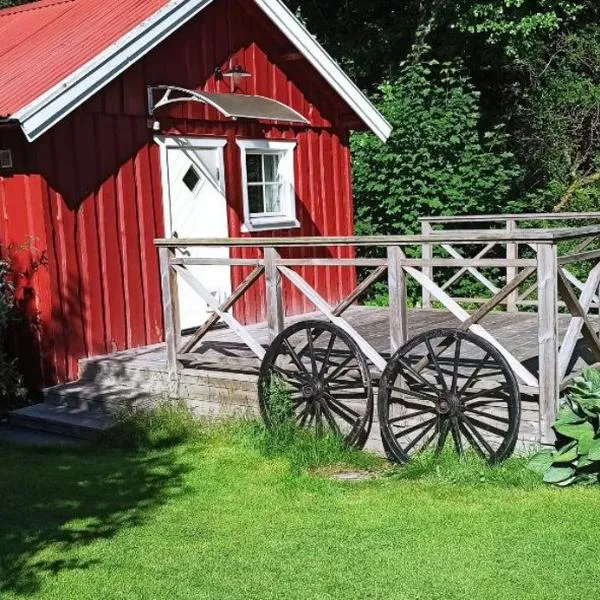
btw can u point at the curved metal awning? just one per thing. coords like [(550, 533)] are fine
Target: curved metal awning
[(235, 106)]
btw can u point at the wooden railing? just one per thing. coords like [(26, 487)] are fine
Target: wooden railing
[(541, 268), (511, 250)]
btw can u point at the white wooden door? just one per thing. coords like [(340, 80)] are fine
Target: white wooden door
[(196, 207)]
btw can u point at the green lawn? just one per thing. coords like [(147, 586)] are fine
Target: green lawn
[(217, 517)]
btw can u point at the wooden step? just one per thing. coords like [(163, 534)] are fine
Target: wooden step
[(22, 436), (62, 420), (109, 399)]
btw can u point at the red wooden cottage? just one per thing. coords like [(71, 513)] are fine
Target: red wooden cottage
[(128, 120)]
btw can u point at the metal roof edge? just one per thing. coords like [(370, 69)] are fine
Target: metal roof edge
[(295, 31), (48, 109)]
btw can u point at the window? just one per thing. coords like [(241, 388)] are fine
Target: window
[(6, 159), (268, 184), (191, 178)]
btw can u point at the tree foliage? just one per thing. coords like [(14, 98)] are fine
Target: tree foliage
[(437, 160), (536, 66)]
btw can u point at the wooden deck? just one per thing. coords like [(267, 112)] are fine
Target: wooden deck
[(220, 378), (223, 351)]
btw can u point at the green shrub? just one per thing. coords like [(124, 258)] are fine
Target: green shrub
[(577, 457), (437, 160), (11, 382)]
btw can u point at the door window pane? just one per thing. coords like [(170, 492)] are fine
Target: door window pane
[(191, 178)]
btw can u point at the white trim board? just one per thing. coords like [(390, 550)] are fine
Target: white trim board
[(286, 220), (48, 109)]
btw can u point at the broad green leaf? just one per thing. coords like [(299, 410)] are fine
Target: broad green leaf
[(585, 443), (584, 462), (566, 482), (566, 454), (594, 450), (566, 416), (541, 461), (558, 474), (575, 431)]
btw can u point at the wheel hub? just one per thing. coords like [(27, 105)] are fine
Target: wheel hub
[(449, 404), (312, 389)]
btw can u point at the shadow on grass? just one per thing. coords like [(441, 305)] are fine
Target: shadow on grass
[(68, 499)]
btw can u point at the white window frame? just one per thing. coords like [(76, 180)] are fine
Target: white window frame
[(285, 150)]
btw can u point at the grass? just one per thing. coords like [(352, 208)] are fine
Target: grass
[(169, 510)]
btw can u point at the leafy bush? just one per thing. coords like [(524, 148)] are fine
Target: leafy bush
[(436, 160), (11, 383), (577, 458)]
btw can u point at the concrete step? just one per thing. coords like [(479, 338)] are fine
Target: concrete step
[(97, 397), (21, 436), (62, 420)]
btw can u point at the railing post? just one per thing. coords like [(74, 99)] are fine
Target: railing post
[(274, 294), (427, 229), (512, 253), (548, 339), (398, 298), (170, 300)]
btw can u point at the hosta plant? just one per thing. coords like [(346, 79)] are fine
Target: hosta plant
[(577, 457)]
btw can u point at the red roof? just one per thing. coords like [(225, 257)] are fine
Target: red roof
[(44, 42)]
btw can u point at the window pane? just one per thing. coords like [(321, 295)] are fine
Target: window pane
[(271, 167), (254, 167), (255, 199), (191, 178), (273, 198)]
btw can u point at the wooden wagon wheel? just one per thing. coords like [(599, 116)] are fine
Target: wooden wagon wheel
[(316, 374), (449, 384)]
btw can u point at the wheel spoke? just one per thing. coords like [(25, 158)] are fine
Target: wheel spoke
[(350, 385), (444, 429), (414, 394), (296, 360), (408, 416), (485, 426), (481, 403), (482, 413), (456, 366), (318, 418), (301, 418), (311, 349), (325, 362), (436, 364), (408, 430), (331, 420), (468, 427), (291, 378), (474, 374), (456, 437), (339, 369), (346, 413), (418, 438), (406, 367), (298, 403), (483, 393)]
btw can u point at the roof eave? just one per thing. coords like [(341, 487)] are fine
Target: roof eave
[(51, 107), (48, 109), (302, 39)]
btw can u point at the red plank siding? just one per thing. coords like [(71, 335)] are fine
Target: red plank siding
[(93, 193)]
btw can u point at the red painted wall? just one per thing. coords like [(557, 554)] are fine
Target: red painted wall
[(88, 193)]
